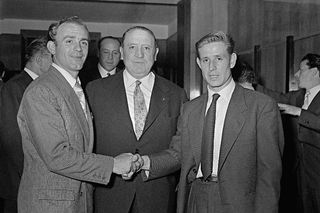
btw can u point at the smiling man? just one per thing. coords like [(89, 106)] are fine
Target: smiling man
[(57, 132)]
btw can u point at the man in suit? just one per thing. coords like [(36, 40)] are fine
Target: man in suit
[(229, 142), (304, 107), (57, 133), (109, 58), (136, 111), (38, 61)]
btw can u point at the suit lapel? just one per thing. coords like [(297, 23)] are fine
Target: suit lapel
[(159, 101), (313, 107), (196, 122), (73, 103), (233, 124)]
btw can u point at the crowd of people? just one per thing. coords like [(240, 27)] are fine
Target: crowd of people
[(129, 141)]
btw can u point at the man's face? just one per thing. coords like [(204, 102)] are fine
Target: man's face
[(109, 54), (215, 63), (71, 47), (139, 52), (307, 75)]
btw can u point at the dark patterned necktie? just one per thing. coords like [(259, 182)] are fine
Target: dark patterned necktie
[(207, 139), (140, 110)]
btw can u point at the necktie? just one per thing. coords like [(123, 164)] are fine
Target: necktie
[(306, 100), (207, 139), (140, 110), (79, 92)]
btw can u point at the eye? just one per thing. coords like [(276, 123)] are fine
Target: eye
[(219, 58), (131, 47), (84, 43), (204, 60), (116, 53), (147, 48), (69, 41)]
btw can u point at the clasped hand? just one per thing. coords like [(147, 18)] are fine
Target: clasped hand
[(127, 164)]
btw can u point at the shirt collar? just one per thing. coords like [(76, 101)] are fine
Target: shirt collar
[(226, 92), (32, 74), (71, 80), (103, 72), (314, 90), (147, 81)]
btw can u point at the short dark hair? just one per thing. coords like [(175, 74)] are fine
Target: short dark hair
[(53, 28), (243, 72), (38, 45), (313, 60), (107, 37), (140, 28), (216, 37)]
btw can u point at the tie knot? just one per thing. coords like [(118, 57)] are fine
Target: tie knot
[(138, 83), (215, 97), (308, 93), (77, 85)]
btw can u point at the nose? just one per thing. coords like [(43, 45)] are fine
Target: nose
[(212, 65), (77, 46), (110, 56), (139, 52)]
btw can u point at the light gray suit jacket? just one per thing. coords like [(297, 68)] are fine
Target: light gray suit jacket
[(57, 141), (250, 155)]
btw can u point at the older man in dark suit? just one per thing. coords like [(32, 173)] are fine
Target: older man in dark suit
[(135, 111), (38, 62), (229, 142), (57, 132)]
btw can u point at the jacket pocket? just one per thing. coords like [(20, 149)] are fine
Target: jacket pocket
[(56, 194)]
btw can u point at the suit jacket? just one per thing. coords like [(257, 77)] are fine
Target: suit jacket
[(308, 134), (115, 135), (57, 141), (90, 74), (250, 156), (11, 163)]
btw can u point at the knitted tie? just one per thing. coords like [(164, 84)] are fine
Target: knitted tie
[(79, 92), (207, 140), (306, 100), (140, 110)]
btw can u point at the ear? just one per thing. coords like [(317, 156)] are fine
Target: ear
[(51, 47), (156, 54), (121, 51), (198, 62), (38, 59), (233, 60)]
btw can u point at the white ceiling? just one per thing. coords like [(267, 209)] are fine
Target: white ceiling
[(161, 12)]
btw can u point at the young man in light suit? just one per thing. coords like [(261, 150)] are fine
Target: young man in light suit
[(57, 133), (235, 165)]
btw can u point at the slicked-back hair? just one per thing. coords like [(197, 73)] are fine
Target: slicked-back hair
[(216, 37), (107, 37), (313, 60), (53, 28), (140, 28), (38, 45)]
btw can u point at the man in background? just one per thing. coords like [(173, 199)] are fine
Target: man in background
[(229, 142), (38, 61), (303, 106), (57, 132), (109, 58), (135, 111)]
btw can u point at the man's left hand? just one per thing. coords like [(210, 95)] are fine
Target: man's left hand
[(289, 109)]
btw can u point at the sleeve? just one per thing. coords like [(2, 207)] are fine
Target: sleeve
[(279, 97), (41, 119), (270, 144)]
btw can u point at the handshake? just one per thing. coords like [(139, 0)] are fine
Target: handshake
[(127, 164)]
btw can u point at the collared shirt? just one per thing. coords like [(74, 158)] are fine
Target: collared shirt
[(71, 80), (221, 111), (312, 93), (31, 73), (146, 86), (104, 73)]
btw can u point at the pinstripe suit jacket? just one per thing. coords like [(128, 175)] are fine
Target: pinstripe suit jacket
[(250, 156), (57, 142)]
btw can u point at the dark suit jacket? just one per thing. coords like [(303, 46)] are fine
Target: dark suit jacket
[(250, 155), (90, 74), (57, 141), (115, 135), (308, 133), (11, 163)]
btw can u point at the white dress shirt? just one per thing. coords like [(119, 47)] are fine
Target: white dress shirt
[(104, 73), (146, 86), (221, 110), (31, 73)]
